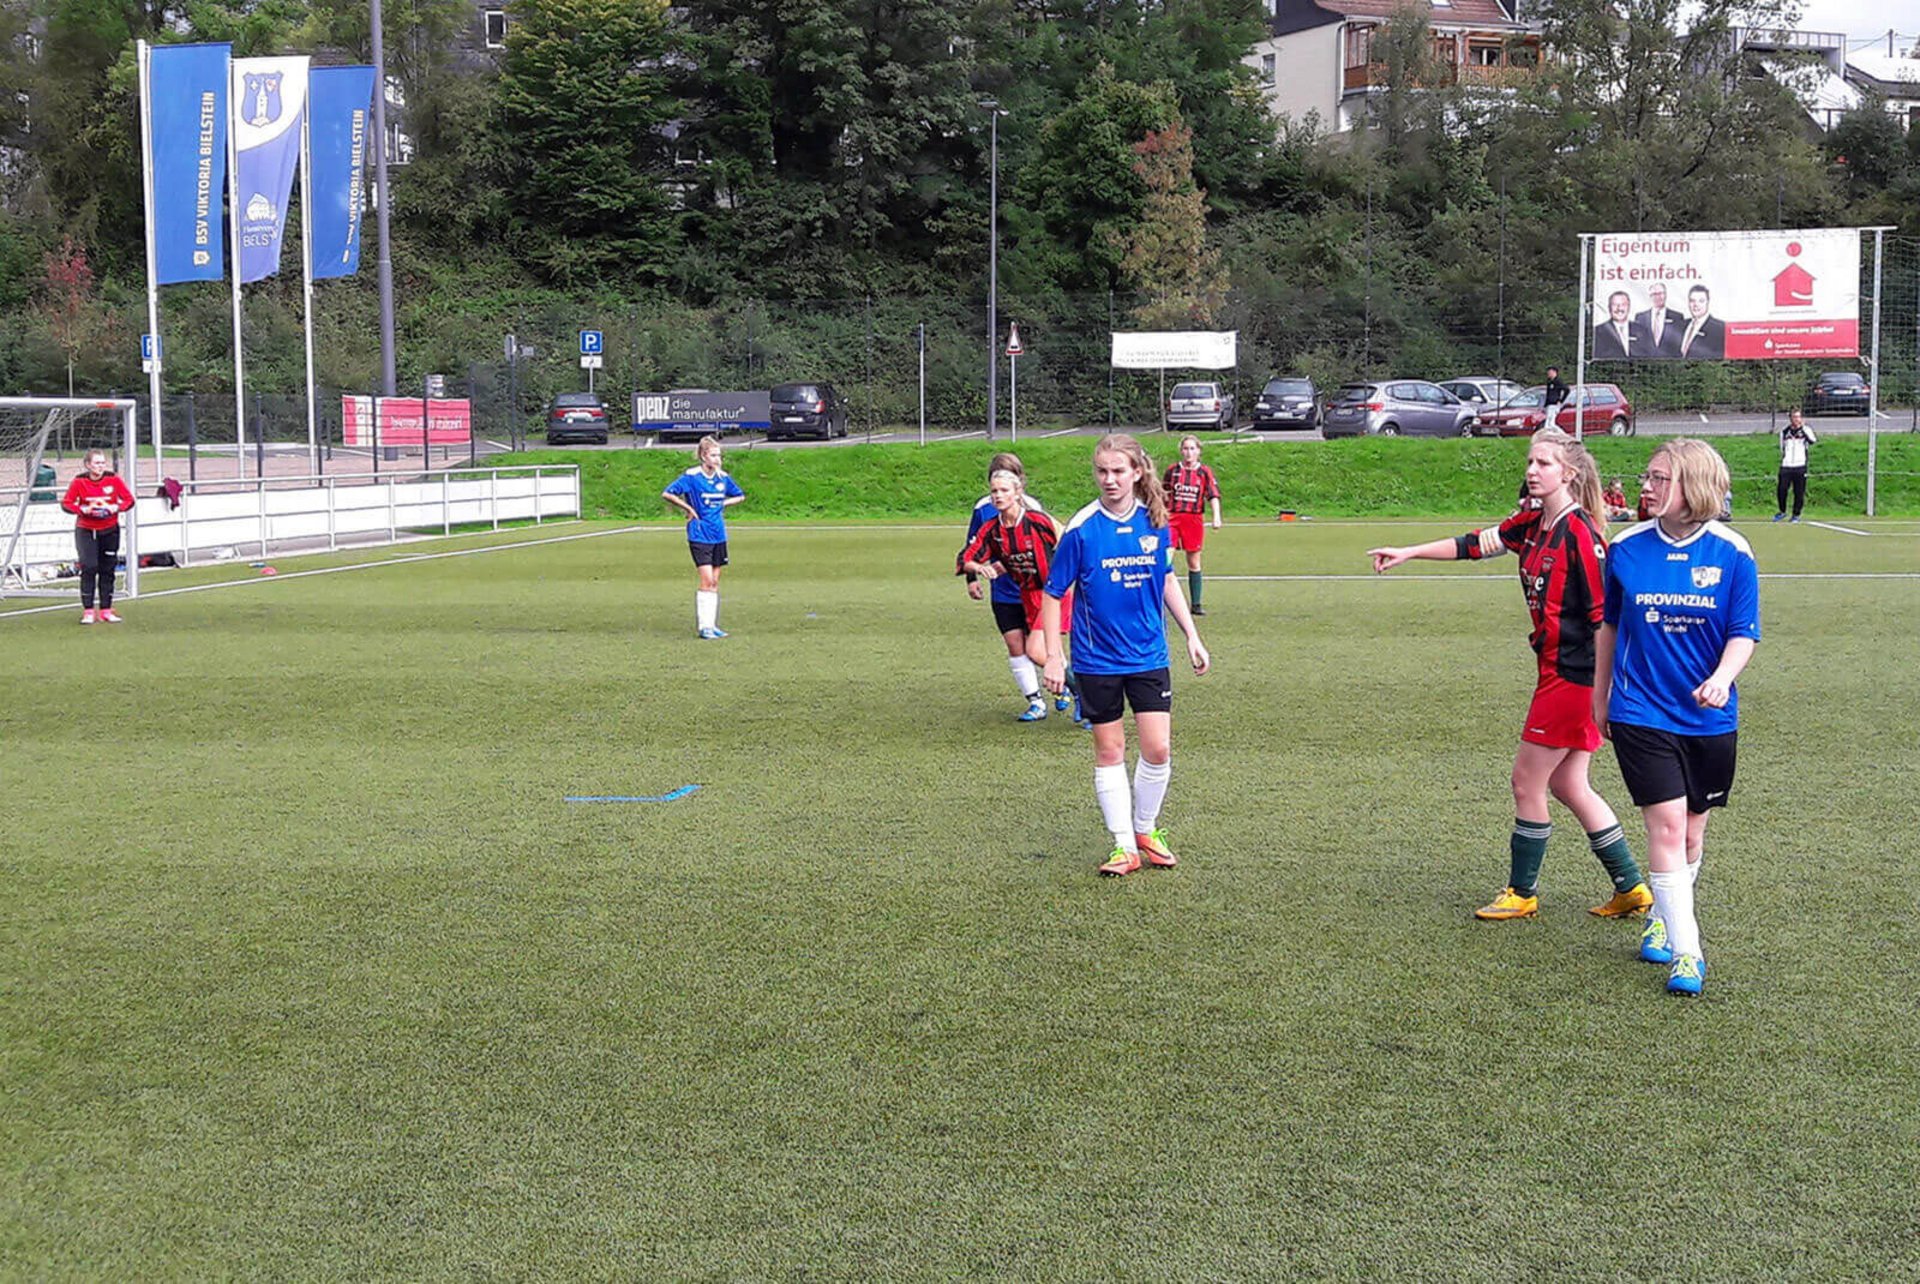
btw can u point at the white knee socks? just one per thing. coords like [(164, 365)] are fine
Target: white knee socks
[(1149, 791), (1673, 903), (1025, 676), (1116, 803), (706, 608)]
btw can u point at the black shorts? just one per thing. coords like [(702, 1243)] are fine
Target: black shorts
[(1104, 696), (708, 554), (1009, 617), (1660, 766)]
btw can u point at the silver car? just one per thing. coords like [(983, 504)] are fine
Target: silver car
[(1395, 408), (1199, 405), (1483, 392)]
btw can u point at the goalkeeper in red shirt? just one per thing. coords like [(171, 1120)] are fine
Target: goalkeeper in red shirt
[(96, 498)]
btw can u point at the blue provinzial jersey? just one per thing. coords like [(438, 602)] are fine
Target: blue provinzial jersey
[(708, 496), (1117, 568), (1001, 588), (1676, 602)]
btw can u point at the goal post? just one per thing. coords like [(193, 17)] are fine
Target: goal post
[(43, 443)]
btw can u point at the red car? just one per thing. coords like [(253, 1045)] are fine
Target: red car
[(1605, 410)]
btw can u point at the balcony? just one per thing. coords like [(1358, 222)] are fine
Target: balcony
[(1373, 75)]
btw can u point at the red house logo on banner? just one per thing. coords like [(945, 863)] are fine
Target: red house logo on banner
[(1793, 286)]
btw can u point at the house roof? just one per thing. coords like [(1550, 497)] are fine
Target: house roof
[(1304, 15), (1458, 13), (1888, 69)]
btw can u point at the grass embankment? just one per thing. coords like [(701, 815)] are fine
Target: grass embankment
[(1367, 477)]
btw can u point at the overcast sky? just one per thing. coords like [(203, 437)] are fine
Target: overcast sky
[(1860, 19)]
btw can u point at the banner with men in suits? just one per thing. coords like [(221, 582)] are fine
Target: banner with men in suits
[(1725, 296)]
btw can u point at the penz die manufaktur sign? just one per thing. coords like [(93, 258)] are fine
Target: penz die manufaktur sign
[(1725, 296)]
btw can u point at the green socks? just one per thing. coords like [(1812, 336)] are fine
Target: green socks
[(1610, 845), (1528, 849), (1194, 581)]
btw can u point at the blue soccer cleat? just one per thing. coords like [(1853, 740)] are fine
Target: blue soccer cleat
[(1653, 943), (1060, 702), (1036, 710), (711, 635), (1689, 975)]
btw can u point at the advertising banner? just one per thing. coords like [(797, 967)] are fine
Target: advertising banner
[(449, 421), (186, 100), (339, 130), (269, 103), (1176, 349), (1726, 296), (701, 412)]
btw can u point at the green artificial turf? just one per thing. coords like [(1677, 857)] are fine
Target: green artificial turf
[(1353, 477), (307, 971)]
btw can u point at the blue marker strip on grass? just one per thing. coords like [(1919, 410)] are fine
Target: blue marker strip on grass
[(681, 792)]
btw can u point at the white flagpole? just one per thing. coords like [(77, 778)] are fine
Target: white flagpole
[(306, 264), (153, 270), (234, 212)]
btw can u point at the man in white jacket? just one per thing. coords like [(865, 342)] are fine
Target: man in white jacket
[(1795, 437)]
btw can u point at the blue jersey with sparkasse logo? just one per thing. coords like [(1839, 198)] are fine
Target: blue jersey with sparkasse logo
[(1117, 568), (1676, 602), (708, 497)]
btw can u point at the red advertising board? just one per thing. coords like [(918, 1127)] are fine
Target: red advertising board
[(449, 421)]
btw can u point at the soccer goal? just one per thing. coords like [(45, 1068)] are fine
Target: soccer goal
[(43, 443)]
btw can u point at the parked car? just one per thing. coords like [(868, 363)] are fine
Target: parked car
[(1838, 392), (1604, 409), (1199, 405), (1287, 403), (1481, 391), (1395, 408), (577, 416), (805, 409)]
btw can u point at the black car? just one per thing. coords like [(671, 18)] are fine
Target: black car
[(1838, 392), (1287, 403), (577, 416), (805, 410)]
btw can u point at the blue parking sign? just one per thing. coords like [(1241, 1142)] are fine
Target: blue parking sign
[(591, 343), (148, 348)]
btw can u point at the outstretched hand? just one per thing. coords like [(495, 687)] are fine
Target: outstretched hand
[(1385, 559)]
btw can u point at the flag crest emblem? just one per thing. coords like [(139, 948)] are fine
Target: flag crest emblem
[(260, 99)]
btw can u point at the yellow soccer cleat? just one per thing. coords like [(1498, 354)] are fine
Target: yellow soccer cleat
[(1121, 862), (1635, 900), (1509, 904), (1154, 847)]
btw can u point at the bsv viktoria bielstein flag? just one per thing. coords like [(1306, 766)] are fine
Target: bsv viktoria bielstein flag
[(269, 102), (340, 133), (186, 101)]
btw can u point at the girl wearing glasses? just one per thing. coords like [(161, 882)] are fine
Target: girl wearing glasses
[(1682, 617), (1557, 534)]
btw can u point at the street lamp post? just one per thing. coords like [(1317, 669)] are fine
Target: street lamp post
[(992, 107)]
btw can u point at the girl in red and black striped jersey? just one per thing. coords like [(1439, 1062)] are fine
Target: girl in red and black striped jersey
[(1018, 544), (1190, 487), (1557, 534), (96, 498)]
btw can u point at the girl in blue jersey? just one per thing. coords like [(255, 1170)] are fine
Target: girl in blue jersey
[(704, 494), (1115, 557), (1682, 618)]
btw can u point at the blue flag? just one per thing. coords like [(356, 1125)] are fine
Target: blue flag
[(186, 99), (340, 133), (269, 106)]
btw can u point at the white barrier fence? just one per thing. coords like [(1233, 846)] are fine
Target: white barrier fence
[(217, 519)]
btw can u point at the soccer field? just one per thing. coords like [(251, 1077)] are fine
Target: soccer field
[(308, 969)]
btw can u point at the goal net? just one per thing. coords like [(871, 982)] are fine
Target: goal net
[(44, 442)]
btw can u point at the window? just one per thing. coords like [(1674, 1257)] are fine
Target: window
[(1270, 68), (1359, 46), (1482, 54), (495, 21)]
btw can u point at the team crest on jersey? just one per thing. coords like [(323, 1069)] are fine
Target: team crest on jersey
[(1706, 576), (1149, 542)]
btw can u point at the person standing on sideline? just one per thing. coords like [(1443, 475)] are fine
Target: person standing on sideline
[(1795, 437), (1009, 614), (1556, 391), (1190, 487), (1682, 620), (96, 498), (1017, 545), (1114, 558), (704, 493), (1558, 536)]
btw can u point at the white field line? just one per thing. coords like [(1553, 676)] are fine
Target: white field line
[(1487, 578), (1844, 530)]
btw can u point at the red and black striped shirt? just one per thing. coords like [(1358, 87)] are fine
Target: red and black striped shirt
[(1189, 489), (1024, 549), (1562, 573)]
